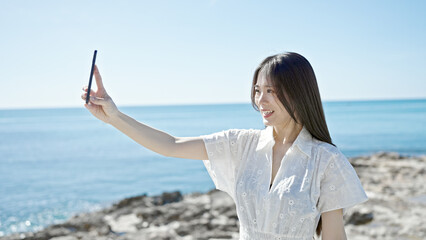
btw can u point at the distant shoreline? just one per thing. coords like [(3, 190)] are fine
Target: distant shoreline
[(208, 104)]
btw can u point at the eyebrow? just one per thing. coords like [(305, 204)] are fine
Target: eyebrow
[(264, 85)]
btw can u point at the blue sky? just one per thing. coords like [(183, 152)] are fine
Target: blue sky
[(196, 52)]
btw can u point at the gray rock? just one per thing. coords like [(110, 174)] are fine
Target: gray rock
[(395, 186), (360, 218)]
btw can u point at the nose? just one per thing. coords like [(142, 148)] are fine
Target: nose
[(262, 99)]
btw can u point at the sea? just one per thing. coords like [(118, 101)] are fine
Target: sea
[(55, 163)]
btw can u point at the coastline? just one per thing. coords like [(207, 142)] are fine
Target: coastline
[(395, 210)]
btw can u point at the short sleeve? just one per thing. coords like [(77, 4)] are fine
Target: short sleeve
[(340, 186), (224, 151)]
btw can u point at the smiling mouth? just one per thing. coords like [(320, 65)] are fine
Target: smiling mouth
[(267, 114)]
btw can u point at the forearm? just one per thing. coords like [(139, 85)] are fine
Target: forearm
[(151, 138)]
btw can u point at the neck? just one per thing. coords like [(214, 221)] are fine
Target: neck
[(288, 133)]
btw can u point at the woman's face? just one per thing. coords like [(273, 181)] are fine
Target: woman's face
[(272, 110)]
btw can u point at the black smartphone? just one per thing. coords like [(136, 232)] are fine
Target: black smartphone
[(91, 76)]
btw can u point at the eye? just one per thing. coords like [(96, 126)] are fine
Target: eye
[(270, 91), (256, 90)]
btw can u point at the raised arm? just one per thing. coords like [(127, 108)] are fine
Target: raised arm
[(159, 141), (103, 108)]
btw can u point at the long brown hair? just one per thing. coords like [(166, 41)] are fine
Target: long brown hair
[(296, 87)]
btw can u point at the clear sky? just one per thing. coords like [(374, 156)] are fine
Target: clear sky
[(196, 52)]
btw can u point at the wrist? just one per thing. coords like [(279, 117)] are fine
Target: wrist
[(115, 118)]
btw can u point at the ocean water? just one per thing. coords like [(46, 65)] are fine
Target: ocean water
[(58, 162)]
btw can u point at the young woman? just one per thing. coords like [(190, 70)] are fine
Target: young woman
[(288, 180)]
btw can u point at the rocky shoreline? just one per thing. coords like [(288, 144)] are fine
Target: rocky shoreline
[(396, 209)]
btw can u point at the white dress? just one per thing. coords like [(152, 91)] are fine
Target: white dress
[(314, 177)]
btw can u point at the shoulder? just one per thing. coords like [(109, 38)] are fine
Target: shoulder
[(242, 133), (233, 134), (325, 147), (327, 152)]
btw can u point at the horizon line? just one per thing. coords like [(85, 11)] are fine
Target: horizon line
[(200, 104)]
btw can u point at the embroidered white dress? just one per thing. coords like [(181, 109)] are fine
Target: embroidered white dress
[(314, 177)]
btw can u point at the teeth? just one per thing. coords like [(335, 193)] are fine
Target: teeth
[(267, 112)]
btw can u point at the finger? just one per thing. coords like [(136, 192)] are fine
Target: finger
[(87, 106), (84, 95), (98, 78), (92, 92), (91, 107), (98, 101)]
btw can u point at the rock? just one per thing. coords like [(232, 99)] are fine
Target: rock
[(64, 238), (168, 198), (360, 218), (395, 185), (122, 224)]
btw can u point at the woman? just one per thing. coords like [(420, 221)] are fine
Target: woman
[(288, 180)]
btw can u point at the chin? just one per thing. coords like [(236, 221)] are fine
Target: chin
[(266, 123)]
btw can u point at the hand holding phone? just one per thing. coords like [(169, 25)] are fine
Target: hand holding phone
[(101, 105)]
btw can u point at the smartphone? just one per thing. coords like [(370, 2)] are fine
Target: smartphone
[(91, 76)]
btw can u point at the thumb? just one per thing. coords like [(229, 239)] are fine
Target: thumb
[(97, 100)]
